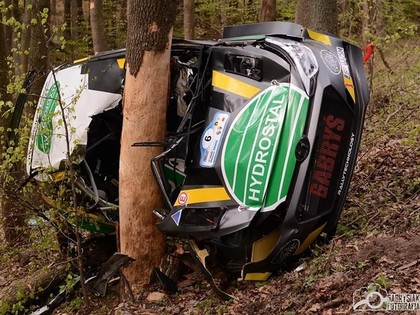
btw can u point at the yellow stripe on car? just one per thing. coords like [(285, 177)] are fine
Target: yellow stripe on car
[(81, 60), (201, 195), (319, 37), (121, 63), (257, 276), (309, 240), (235, 86), (263, 246), (348, 82)]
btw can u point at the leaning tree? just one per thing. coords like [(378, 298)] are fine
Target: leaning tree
[(268, 11), (149, 32), (320, 15)]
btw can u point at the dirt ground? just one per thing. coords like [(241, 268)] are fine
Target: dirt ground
[(323, 283), (377, 242)]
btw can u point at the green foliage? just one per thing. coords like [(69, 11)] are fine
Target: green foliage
[(384, 22), (4, 307), (348, 230), (206, 306), (286, 10), (212, 15), (74, 304), (384, 282), (71, 281), (360, 265), (115, 23)]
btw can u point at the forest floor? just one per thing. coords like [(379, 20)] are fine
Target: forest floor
[(377, 241)]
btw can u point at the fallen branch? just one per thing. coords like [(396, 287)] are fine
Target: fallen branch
[(406, 266), (37, 286), (333, 303)]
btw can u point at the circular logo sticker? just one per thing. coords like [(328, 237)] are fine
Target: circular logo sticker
[(331, 61), (182, 198)]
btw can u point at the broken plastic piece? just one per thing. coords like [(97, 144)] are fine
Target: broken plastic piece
[(98, 284), (167, 283), (199, 258), (56, 301)]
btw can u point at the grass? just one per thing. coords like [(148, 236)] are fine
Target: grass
[(385, 177)]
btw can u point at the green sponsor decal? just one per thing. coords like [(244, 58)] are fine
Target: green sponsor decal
[(45, 127), (285, 161), (258, 155)]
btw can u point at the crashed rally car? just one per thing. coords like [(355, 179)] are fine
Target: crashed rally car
[(262, 136)]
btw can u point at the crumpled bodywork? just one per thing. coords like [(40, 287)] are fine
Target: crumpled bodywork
[(270, 168), (80, 91), (263, 129)]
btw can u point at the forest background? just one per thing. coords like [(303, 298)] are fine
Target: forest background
[(377, 240)]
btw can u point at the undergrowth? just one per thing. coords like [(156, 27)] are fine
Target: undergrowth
[(385, 188)]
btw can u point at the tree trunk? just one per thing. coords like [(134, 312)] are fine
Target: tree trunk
[(8, 30), (67, 19), (53, 6), (55, 18), (10, 220), (12, 11), (97, 26), (13, 221), (268, 11), (26, 38), (12, 44), (4, 80), (39, 57), (189, 19), (74, 16), (223, 16), (122, 25), (320, 15), (13, 216), (86, 11), (149, 33)]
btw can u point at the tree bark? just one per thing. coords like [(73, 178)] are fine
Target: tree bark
[(97, 26), (268, 11), (4, 80), (53, 6), (8, 31), (13, 216), (26, 39), (74, 17), (320, 15), (67, 19), (122, 25), (10, 220), (189, 19), (223, 16), (12, 12), (39, 57), (145, 99)]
